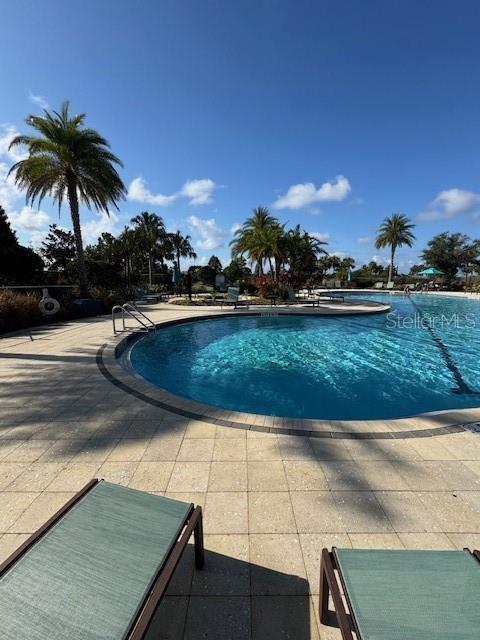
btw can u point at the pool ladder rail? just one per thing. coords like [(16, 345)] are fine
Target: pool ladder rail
[(134, 312)]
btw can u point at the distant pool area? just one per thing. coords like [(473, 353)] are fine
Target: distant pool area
[(420, 357)]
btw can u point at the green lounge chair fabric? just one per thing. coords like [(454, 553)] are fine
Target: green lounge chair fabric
[(88, 576), (412, 595)]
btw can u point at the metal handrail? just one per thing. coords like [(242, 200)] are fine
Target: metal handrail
[(128, 307), (131, 310)]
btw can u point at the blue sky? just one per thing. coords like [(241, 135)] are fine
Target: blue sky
[(333, 114)]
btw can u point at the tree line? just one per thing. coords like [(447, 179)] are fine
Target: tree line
[(69, 161)]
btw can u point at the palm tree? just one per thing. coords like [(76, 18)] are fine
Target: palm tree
[(394, 232), (128, 247), (256, 238), (68, 160), (301, 254), (182, 247), (151, 231)]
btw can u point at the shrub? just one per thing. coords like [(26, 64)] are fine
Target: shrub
[(18, 310), (267, 286), (111, 297), (199, 287)]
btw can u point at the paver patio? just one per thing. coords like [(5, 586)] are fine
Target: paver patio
[(271, 501)]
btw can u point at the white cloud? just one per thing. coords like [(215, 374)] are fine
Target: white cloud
[(37, 237), (381, 260), (9, 192), (8, 189), (339, 254), (323, 237), (304, 195), (364, 240), (211, 235), (138, 192), (102, 223), (28, 219), (235, 227), (197, 191), (7, 134), (451, 203), (37, 99)]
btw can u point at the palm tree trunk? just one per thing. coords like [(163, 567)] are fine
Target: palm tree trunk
[(150, 269), (390, 269), (272, 272), (178, 261), (77, 232)]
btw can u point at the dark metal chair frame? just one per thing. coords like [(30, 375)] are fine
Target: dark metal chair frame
[(193, 523), (331, 585)]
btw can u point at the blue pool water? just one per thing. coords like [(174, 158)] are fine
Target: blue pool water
[(422, 356)]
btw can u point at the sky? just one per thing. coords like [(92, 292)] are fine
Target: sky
[(334, 114)]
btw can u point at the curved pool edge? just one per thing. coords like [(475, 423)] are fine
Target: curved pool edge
[(420, 425)]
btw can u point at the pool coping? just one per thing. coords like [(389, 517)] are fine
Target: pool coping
[(420, 425)]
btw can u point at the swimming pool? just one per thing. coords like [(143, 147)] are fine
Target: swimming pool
[(420, 357)]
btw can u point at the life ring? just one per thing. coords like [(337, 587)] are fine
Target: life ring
[(48, 305)]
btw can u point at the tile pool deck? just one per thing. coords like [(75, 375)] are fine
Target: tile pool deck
[(272, 501)]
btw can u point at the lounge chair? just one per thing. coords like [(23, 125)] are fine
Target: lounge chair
[(389, 285), (98, 568), (402, 594), (378, 285), (321, 297), (143, 295), (232, 297)]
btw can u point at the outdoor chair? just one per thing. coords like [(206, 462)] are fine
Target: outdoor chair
[(402, 594), (389, 285), (378, 285), (98, 568), (147, 297), (321, 297), (232, 297)]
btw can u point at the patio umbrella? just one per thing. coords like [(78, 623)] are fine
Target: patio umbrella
[(430, 271), (176, 275)]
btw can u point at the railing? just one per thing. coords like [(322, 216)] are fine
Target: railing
[(135, 313)]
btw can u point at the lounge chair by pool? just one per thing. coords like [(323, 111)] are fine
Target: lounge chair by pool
[(140, 295), (98, 568), (315, 301), (402, 594), (233, 297)]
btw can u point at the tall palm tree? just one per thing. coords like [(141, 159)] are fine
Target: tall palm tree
[(128, 247), (394, 232), (151, 231), (255, 238), (182, 247), (68, 160)]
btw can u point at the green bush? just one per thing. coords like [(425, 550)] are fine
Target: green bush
[(199, 287), (111, 297), (18, 310)]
